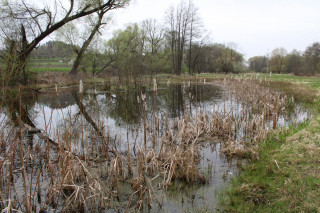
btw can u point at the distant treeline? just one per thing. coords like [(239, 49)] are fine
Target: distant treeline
[(53, 49), (178, 44), (147, 48), (280, 61)]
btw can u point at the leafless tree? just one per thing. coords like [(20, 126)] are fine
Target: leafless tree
[(195, 30), (178, 21), (198, 56), (153, 33), (30, 23)]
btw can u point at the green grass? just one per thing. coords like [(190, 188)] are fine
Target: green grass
[(286, 178), (54, 69), (46, 59), (211, 75), (47, 64), (51, 69), (312, 82)]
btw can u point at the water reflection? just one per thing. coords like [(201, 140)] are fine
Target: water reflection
[(109, 113), (68, 115)]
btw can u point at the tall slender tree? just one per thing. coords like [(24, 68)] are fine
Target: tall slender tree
[(195, 29), (178, 22)]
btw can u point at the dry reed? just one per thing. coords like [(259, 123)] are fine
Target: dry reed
[(82, 171)]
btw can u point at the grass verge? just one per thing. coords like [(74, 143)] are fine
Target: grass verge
[(286, 176), (50, 69)]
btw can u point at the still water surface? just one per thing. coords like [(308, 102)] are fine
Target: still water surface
[(118, 113)]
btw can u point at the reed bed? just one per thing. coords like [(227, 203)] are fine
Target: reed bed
[(83, 169), (258, 109)]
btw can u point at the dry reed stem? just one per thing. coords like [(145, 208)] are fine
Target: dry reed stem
[(177, 156)]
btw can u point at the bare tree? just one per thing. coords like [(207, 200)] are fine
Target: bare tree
[(198, 55), (178, 21), (195, 29), (154, 34), (30, 23)]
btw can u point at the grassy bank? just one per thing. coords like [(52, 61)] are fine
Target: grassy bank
[(286, 175)]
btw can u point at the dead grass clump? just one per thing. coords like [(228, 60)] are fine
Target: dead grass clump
[(59, 77), (253, 193), (237, 149), (253, 108), (181, 164)]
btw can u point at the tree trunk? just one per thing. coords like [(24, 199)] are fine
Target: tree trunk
[(74, 69), (29, 47), (23, 57)]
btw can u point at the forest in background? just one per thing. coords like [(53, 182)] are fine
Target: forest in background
[(178, 44)]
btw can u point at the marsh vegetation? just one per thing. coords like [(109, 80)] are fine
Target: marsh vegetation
[(170, 146)]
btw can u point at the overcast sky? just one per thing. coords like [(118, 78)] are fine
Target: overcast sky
[(256, 26)]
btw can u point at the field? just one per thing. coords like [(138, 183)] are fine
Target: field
[(45, 65)]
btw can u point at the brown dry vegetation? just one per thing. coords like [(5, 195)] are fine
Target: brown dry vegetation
[(52, 175), (51, 78), (285, 178)]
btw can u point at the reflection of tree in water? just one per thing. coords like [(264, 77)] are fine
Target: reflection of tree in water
[(17, 106), (201, 93), (83, 110), (125, 107), (56, 101), (175, 99), (122, 107)]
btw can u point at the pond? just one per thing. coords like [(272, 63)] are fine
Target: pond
[(108, 132)]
